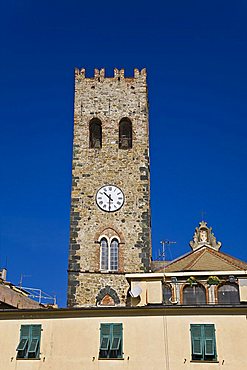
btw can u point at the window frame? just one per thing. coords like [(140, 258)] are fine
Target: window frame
[(106, 258), (165, 299), (95, 122), (228, 301), (121, 136), (111, 333), (110, 253), (187, 296), (30, 335), (203, 354)]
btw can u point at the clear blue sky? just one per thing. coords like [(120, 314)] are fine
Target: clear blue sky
[(196, 56)]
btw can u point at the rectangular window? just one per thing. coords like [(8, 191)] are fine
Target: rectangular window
[(203, 342), (111, 338), (29, 345)]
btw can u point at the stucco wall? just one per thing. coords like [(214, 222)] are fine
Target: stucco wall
[(154, 342)]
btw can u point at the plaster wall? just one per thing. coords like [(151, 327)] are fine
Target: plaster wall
[(149, 343)]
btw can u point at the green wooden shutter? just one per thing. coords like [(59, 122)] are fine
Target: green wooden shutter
[(117, 331), (24, 341), (34, 343), (24, 337), (22, 344), (105, 336), (209, 336), (196, 339)]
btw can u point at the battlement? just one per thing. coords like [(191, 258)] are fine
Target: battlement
[(99, 74)]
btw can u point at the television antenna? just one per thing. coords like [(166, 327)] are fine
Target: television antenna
[(164, 244), (21, 279)]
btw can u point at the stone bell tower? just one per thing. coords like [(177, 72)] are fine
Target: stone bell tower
[(110, 201)]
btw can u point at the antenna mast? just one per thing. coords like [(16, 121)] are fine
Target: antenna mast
[(164, 243)]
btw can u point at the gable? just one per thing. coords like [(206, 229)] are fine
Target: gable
[(205, 259)]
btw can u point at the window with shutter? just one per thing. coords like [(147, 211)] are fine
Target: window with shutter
[(209, 339), (111, 341), (203, 342), (196, 335), (29, 344)]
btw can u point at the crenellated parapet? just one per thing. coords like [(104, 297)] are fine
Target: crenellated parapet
[(119, 74)]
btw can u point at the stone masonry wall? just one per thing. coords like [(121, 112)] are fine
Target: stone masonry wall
[(110, 100)]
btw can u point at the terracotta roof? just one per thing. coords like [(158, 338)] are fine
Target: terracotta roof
[(204, 259), (157, 265), (12, 297)]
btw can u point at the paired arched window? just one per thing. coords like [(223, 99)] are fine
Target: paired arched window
[(228, 294), (167, 294), (109, 254), (125, 134), (95, 134), (195, 294)]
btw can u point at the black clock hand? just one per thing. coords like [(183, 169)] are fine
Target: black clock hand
[(108, 196)]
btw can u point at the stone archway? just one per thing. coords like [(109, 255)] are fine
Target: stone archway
[(107, 297)]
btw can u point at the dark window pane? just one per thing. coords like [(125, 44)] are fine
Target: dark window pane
[(95, 134), (194, 294), (114, 255), (167, 294), (104, 254), (228, 294), (125, 134)]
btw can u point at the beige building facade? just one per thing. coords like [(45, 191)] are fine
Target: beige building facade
[(152, 338)]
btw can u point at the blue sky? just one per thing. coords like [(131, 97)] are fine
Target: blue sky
[(196, 56)]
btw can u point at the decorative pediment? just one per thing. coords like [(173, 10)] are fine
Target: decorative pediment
[(204, 236)]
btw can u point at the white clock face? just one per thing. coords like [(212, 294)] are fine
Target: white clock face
[(110, 198)]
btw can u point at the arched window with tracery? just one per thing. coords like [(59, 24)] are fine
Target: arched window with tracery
[(228, 294), (125, 134), (109, 250), (194, 294), (167, 294), (114, 255), (104, 254), (95, 134)]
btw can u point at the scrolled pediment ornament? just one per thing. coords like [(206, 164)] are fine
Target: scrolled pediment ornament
[(204, 236)]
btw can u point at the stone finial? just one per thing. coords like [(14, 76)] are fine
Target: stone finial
[(96, 73), (116, 72), (144, 72), (204, 236), (82, 72), (102, 74), (121, 73), (136, 73)]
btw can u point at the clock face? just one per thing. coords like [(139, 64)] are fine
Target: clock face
[(110, 198)]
